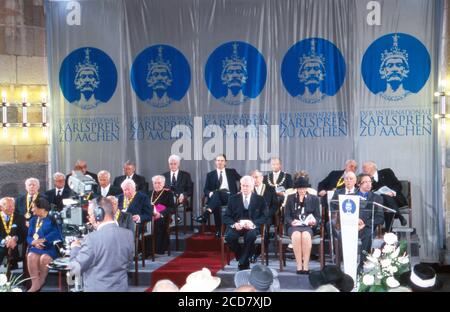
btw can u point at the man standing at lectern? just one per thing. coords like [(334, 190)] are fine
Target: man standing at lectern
[(365, 226)]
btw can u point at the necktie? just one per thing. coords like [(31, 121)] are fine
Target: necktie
[(6, 218), (59, 193), (174, 180), (220, 179), (246, 202)]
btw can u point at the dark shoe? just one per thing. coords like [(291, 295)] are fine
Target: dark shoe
[(254, 258), (201, 219), (178, 220), (299, 272), (217, 234), (305, 272), (402, 219), (244, 266)]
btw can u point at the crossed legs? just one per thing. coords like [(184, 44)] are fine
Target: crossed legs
[(37, 267)]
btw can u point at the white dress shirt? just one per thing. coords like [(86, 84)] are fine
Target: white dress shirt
[(105, 190), (224, 184)]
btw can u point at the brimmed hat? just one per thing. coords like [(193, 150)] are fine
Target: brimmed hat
[(421, 278), (260, 276), (42, 203), (201, 281), (331, 274), (301, 182)]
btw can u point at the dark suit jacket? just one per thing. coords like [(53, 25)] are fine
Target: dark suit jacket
[(311, 207), (166, 199), (270, 198), (329, 183), (141, 184), (287, 183), (183, 184), (212, 181), (21, 204), (57, 200), (365, 210), (20, 230), (140, 205), (335, 204), (386, 177), (235, 210), (125, 221), (91, 174), (113, 191)]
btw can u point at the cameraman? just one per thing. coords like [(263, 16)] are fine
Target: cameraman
[(104, 256)]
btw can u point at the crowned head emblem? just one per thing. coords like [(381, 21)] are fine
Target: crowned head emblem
[(159, 72), (234, 69), (394, 62), (86, 74), (312, 66)]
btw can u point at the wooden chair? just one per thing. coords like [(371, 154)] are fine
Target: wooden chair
[(224, 247), (284, 241)]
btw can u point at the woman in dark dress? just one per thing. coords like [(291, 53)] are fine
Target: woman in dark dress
[(302, 216), (41, 235)]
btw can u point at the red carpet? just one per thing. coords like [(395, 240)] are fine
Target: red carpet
[(202, 251)]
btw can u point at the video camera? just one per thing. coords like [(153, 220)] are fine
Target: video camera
[(80, 183)]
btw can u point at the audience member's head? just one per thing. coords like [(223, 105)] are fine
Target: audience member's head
[(422, 278), (165, 285), (327, 288), (260, 276), (201, 281), (245, 288), (331, 274)]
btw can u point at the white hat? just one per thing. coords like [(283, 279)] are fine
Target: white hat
[(201, 281)]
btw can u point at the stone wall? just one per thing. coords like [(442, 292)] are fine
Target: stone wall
[(22, 67)]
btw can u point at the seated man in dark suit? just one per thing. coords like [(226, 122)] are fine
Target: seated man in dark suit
[(135, 203), (56, 195), (129, 170), (24, 202), (163, 205), (220, 184), (104, 187), (178, 181), (123, 219), (334, 180), (394, 199), (246, 212), (12, 232), (81, 165), (278, 180)]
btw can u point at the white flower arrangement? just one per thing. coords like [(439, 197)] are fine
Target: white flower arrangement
[(384, 266), (12, 285)]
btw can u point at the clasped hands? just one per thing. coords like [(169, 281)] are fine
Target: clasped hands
[(244, 225), (39, 243)]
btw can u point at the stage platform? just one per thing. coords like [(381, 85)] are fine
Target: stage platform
[(289, 280)]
